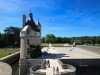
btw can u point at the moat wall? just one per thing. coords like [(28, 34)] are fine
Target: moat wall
[(11, 58), (81, 62), (84, 66)]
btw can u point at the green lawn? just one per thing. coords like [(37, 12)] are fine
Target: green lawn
[(54, 44), (8, 51)]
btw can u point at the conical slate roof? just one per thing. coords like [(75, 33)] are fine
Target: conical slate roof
[(31, 23)]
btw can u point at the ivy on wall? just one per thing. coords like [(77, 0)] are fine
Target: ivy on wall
[(34, 51)]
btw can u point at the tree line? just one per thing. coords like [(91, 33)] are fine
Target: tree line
[(51, 38)]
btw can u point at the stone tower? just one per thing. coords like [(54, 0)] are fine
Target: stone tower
[(30, 34)]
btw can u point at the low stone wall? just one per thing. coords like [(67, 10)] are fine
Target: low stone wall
[(67, 66), (10, 58), (60, 62), (33, 70)]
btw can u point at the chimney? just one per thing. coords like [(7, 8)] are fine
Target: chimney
[(24, 20)]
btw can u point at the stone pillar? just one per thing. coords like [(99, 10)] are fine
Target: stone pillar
[(23, 50)]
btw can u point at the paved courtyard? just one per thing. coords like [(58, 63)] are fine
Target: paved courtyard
[(68, 53)]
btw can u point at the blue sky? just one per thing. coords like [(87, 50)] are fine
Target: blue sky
[(64, 18)]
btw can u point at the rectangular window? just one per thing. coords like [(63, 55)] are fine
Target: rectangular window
[(27, 41)]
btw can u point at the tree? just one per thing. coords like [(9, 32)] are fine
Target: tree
[(65, 40), (43, 39), (98, 40), (34, 51), (2, 41), (12, 36), (58, 39), (93, 40), (50, 38)]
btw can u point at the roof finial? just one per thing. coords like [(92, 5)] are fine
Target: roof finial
[(38, 19)]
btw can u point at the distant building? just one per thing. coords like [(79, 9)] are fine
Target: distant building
[(30, 34)]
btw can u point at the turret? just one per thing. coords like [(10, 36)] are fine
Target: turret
[(38, 25)]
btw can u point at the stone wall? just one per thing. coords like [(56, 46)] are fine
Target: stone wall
[(33, 70), (67, 66), (11, 58)]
